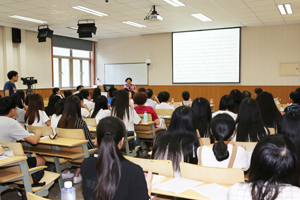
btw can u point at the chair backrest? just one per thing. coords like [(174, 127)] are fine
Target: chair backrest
[(248, 145), (164, 111), (31, 196), (90, 121), (217, 175), (70, 133), (162, 167), (206, 141), (272, 131), (15, 146), (46, 130), (149, 116)]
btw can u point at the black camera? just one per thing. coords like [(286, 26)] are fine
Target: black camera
[(29, 80)]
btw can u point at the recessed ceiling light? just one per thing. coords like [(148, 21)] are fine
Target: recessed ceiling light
[(72, 27), (202, 17), (285, 9), (281, 9), (28, 19), (87, 10), (134, 24), (288, 8), (175, 3)]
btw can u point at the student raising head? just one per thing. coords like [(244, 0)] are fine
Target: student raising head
[(101, 108), (237, 97), (274, 172), (221, 153), (164, 98), (185, 102), (226, 106), (111, 176), (35, 114), (180, 142)]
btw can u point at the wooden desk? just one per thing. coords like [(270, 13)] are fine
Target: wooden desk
[(66, 142), (11, 160), (188, 194), (147, 123)]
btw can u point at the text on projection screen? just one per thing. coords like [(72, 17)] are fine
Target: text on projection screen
[(211, 56)]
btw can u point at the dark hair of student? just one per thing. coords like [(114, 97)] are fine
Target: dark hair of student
[(121, 106), (128, 79), (227, 102), (79, 96), (85, 93), (246, 94), (164, 96), (78, 87), (295, 96), (290, 126), (59, 107), (185, 95), (96, 93), (237, 97), (67, 93), (21, 94), (202, 112), (298, 89), (110, 132), (142, 89), (258, 91), (55, 90), (274, 162), (35, 103), (27, 98), (115, 93), (159, 97), (222, 127), (250, 124), (71, 112), (132, 93), (180, 138), (149, 92), (18, 100), (111, 91), (140, 98), (100, 103), (11, 74), (6, 104), (269, 111)]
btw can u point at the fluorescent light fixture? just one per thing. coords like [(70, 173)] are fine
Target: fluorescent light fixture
[(28, 19), (281, 9), (87, 10), (288, 8), (202, 17), (175, 3), (134, 24), (72, 27)]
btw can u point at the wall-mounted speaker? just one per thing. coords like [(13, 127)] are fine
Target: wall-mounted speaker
[(16, 35)]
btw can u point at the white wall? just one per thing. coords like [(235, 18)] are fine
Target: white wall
[(262, 50)]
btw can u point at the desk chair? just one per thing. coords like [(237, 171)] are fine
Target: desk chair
[(90, 121), (146, 130), (31, 196), (272, 131), (164, 111), (162, 167), (48, 178), (129, 152), (206, 141), (46, 130), (227, 176), (249, 146)]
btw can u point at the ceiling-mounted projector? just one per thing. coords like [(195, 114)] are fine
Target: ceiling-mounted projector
[(153, 15)]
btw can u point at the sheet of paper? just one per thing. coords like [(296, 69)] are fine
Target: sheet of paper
[(157, 179), (178, 185), (44, 137), (162, 116), (210, 191), (3, 157)]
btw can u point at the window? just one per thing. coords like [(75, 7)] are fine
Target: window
[(71, 67)]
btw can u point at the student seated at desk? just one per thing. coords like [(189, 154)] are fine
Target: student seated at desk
[(53, 99), (96, 93), (180, 142), (58, 110), (220, 153), (101, 108), (226, 106), (111, 94), (186, 101), (140, 99), (152, 99), (85, 111), (20, 108), (87, 99), (12, 131), (237, 97), (71, 118), (274, 172), (35, 114), (111, 176), (67, 93), (164, 98), (295, 100)]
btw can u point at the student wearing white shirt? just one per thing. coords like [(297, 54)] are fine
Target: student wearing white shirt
[(85, 111), (227, 106), (79, 88), (164, 98), (221, 153), (35, 114), (101, 108), (58, 110), (274, 172), (152, 99), (86, 99)]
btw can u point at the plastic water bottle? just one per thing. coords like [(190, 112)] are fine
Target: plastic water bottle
[(211, 101), (145, 119), (68, 192), (172, 102), (281, 109)]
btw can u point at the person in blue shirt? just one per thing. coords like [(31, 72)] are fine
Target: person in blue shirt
[(111, 95), (10, 87)]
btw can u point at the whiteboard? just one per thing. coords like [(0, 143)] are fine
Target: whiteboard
[(116, 74)]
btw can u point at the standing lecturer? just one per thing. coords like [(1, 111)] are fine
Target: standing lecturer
[(10, 87), (129, 85)]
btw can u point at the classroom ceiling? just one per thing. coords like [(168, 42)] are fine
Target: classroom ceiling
[(225, 13)]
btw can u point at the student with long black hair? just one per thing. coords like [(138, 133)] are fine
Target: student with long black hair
[(96, 93), (237, 97), (180, 142), (35, 114), (274, 172), (101, 108), (110, 176), (226, 106), (202, 112), (222, 153), (250, 126), (269, 111), (57, 113)]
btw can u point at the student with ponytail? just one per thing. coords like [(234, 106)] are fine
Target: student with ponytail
[(110, 176), (221, 153)]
